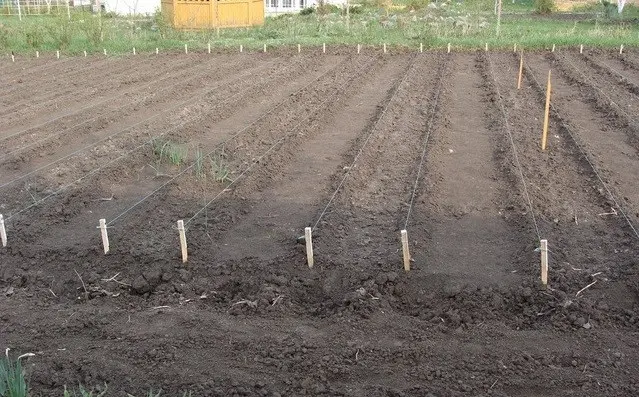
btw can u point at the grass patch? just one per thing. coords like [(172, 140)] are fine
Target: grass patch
[(405, 23), (13, 382)]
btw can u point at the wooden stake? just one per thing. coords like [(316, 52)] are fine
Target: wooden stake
[(521, 70), (37, 54), (185, 252), (13, 58), (621, 50), (421, 47), (57, 54), (264, 47), (359, 48), (186, 48), (308, 237), (581, 49), (208, 49), (323, 48), (544, 136), (384, 48), (157, 51), (515, 47), (553, 48), (544, 262), (133, 50), (3, 232), (299, 48), (486, 47), (85, 53), (105, 236), (449, 48), (405, 250), (104, 50), (241, 48)]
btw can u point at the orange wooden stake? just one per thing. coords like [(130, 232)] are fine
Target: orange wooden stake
[(521, 70), (544, 136), (405, 250), (544, 262)]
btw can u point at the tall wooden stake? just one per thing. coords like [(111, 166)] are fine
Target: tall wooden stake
[(105, 236), (308, 237), (185, 252), (544, 262), (3, 232), (544, 136), (521, 70), (405, 251)]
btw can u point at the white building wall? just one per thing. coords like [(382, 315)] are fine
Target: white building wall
[(275, 7), (130, 7)]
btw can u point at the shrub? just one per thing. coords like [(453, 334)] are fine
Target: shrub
[(544, 7)]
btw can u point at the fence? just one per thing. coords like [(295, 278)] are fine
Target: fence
[(22, 8)]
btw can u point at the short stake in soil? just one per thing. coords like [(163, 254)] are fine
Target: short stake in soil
[(308, 238), (581, 49), (359, 48), (3, 232), (486, 48), (104, 51), (13, 58), (209, 48), (85, 53), (299, 48), (186, 48), (265, 48), (449, 48), (133, 50), (57, 54), (514, 47), (157, 51), (421, 47), (105, 236), (405, 250), (553, 48), (544, 263), (323, 48), (621, 50), (521, 70), (241, 48), (185, 252), (544, 136), (37, 54), (384, 48)]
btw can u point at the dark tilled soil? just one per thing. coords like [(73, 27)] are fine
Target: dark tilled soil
[(441, 145)]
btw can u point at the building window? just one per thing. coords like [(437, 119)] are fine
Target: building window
[(273, 3), (287, 3), (302, 3)]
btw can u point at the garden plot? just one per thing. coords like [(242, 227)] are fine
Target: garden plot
[(250, 149)]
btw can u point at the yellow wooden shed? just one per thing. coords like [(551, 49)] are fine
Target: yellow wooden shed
[(207, 14)]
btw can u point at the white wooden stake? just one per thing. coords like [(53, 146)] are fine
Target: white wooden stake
[(384, 48), (209, 48), (133, 50), (264, 47), (185, 252), (621, 49), (515, 47), (57, 54), (241, 48), (359, 48), (157, 51), (581, 49), (104, 50), (105, 236), (85, 53), (486, 47), (553, 48), (323, 48), (186, 48), (421, 47), (13, 58), (308, 237), (37, 54), (449, 48), (544, 262), (299, 48), (3, 232), (405, 251)]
